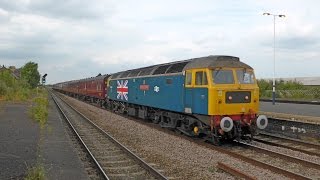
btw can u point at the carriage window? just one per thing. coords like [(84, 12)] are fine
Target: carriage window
[(188, 78), (222, 76), (201, 78)]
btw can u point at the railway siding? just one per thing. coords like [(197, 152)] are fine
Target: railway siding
[(294, 129), (293, 117)]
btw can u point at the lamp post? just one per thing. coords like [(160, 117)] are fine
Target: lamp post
[(274, 54)]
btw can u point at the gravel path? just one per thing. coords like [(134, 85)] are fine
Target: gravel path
[(179, 158)]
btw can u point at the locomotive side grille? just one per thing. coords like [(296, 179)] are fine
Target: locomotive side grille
[(238, 97)]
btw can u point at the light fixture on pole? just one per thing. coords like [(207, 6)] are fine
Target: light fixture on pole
[(274, 54)]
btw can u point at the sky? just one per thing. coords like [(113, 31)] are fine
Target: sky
[(73, 39)]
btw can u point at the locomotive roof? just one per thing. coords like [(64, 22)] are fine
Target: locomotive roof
[(216, 62), (179, 66)]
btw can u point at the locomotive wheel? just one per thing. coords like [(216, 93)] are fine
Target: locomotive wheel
[(156, 119), (216, 140)]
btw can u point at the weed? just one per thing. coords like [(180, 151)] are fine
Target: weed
[(212, 169), (39, 110), (36, 173)]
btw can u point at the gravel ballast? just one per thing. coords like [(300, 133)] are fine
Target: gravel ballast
[(177, 157)]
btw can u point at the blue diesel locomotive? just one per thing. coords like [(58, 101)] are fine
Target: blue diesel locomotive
[(215, 96)]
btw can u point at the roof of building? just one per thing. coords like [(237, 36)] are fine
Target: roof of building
[(14, 72)]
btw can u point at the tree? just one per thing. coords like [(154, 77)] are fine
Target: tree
[(30, 73)]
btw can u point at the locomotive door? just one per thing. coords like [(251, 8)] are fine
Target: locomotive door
[(188, 92), (196, 92)]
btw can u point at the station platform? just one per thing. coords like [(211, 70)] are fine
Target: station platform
[(296, 112), (19, 137), (22, 143), (60, 158)]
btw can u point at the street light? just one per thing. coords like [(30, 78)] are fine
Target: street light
[(274, 54)]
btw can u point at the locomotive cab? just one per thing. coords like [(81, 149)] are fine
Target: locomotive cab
[(224, 96)]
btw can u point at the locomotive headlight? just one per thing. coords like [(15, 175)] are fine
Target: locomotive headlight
[(196, 130), (230, 97), (247, 97)]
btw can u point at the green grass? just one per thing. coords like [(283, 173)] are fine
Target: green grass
[(290, 90), (12, 89), (39, 113), (39, 109), (212, 169), (35, 173)]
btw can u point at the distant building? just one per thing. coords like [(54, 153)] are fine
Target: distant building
[(307, 81), (14, 72), (2, 68)]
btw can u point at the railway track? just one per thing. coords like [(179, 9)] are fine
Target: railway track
[(295, 145), (278, 169), (251, 160), (112, 159), (234, 172), (301, 167)]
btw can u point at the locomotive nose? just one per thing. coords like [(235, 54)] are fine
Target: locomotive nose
[(226, 124), (262, 122)]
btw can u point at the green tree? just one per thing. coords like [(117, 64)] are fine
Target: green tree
[(30, 73)]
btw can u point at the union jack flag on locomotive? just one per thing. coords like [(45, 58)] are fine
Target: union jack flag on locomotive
[(122, 90)]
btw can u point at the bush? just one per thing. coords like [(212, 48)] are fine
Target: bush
[(288, 90), (39, 112), (12, 89), (3, 88)]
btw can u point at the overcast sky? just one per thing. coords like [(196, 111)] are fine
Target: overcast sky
[(79, 38)]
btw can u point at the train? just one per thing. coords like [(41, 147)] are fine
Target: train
[(215, 97)]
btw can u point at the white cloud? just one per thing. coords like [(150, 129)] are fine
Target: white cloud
[(109, 36)]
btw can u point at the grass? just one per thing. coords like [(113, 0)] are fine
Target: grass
[(12, 89), (39, 109), (290, 90), (35, 173), (39, 113), (212, 169)]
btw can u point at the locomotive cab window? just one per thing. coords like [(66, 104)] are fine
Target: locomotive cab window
[(188, 78), (201, 78), (222, 76), (245, 77)]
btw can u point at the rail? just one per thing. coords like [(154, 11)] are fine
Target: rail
[(140, 161)]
